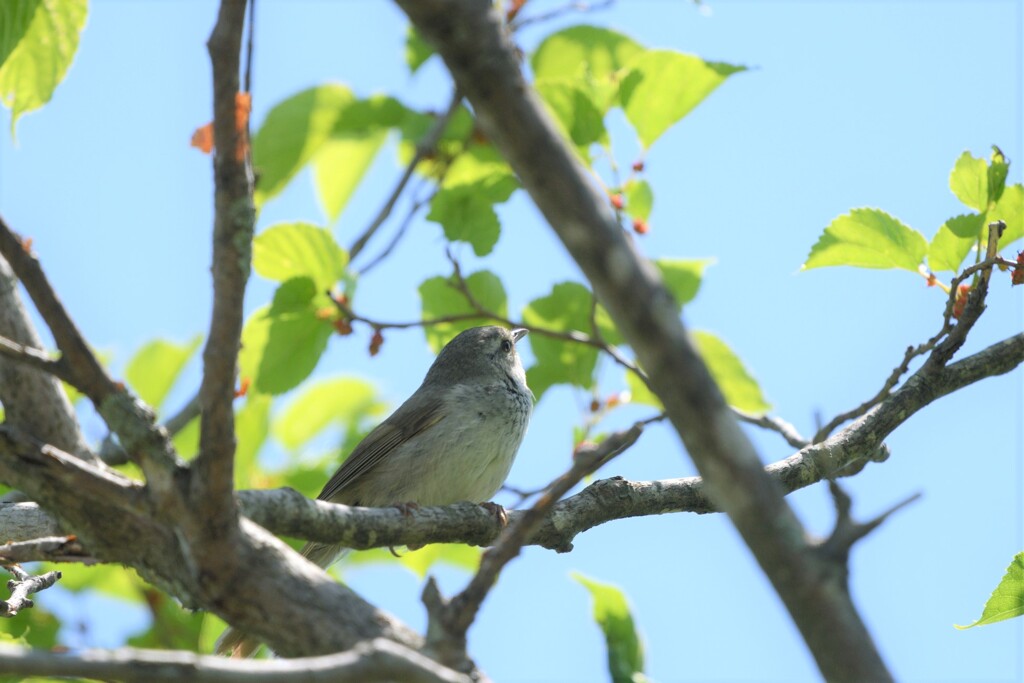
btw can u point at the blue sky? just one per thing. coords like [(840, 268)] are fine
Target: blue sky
[(846, 104)]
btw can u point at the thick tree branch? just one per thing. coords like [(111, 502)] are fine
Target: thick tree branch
[(234, 216), (124, 413), (33, 400), (376, 660), (474, 45), (286, 512)]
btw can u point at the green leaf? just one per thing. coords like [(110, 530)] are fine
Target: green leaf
[(252, 423), (640, 393), (289, 250), (38, 41), (344, 400), (34, 628), (1010, 210), (566, 309), (295, 294), (954, 240), (639, 199), (461, 556), (292, 133), (279, 351), (738, 386), (575, 112), (612, 613), (682, 276), (417, 50), (110, 580), (370, 115), (998, 169), (153, 369), (1007, 599), (969, 181), (589, 55), (663, 86), (466, 216), (340, 165), (483, 164), (186, 441), (440, 298), (868, 238)]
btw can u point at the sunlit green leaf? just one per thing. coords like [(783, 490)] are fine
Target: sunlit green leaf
[(566, 309), (417, 50), (186, 441), (612, 614), (252, 422), (466, 216), (279, 351), (998, 169), (1010, 210), (663, 86), (343, 400), (292, 133), (969, 181), (1007, 599), (682, 276), (289, 250), (340, 165), (172, 628), (639, 199), (440, 298), (588, 55), (575, 112), (738, 386), (954, 240), (36, 628), (38, 41), (154, 368), (868, 238), (483, 165), (109, 579)]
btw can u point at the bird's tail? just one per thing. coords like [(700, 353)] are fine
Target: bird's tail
[(237, 645)]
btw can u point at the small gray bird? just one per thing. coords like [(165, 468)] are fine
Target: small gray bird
[(453, 440)]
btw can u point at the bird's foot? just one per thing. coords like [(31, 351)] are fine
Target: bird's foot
[(500, 514)]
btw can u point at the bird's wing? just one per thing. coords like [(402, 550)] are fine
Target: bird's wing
[(387, 436)]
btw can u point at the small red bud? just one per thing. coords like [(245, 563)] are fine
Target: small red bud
[(640, 226), (595, 405), (1017, 276), (243, 388), (376, 342), (618, 201), (638, 165), (961, 300), (343, 327)]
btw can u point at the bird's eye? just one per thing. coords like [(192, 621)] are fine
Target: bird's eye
[(506, 346)]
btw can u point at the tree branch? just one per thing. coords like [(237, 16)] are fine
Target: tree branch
[(474, 44), (426, 145), (212, 477), (21, 586), (376, 660), (33, 400)]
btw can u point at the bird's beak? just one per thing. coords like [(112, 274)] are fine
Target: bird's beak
[(518, 334)]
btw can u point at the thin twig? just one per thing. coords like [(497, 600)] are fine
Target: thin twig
[(21, 586), (35, 358), (399, 234), (425, 146), (966, 321), (775, 424)]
